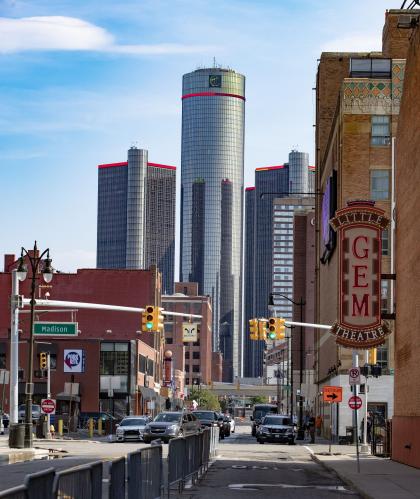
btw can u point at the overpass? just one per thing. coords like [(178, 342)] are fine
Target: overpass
[(241, 389)]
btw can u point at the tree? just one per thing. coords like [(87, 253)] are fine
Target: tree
[(259, 399), (205, 398)]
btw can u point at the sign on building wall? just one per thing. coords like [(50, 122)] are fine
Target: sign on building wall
[(359, 227), (74, 361)]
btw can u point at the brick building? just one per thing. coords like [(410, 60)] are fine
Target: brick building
[(195, 359), (109, 342), (406, 438), (358, 103)]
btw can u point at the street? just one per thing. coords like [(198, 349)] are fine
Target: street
[(243, 467)]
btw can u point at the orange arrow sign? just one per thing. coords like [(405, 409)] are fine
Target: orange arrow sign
[(332, 393)]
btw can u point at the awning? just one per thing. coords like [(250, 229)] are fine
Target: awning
[(148, 393), (67, 396)]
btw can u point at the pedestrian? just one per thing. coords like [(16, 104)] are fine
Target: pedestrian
[(311, 425), (369, 428), (52, 431), (318, 425)]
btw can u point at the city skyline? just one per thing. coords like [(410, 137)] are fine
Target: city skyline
[(67, 98)]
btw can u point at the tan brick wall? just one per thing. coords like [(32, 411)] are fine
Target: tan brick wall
[(396, 41)]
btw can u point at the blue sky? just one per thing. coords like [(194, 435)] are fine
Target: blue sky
[(82, 80)]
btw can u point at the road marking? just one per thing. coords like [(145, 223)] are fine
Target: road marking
[(251, 486), (309, 449)]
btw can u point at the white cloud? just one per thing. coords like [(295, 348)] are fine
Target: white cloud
[(47, 33)]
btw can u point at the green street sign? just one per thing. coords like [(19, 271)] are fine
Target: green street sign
[(55, 328)]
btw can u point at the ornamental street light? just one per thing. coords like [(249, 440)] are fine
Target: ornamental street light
[(43, 266), (300, 304)]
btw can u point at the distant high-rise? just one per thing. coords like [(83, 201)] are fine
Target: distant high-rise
[(136, 216), (212, 164), (262, 235)]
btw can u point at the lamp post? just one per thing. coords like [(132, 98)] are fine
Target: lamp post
[(301, 303), (22, 271)]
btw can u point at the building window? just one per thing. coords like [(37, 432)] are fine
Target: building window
[(2, 361), (196, 369), (370, 68), (384, 297), (187, 368), (169, 341), (114, 358), (382, 356), (380, 131), (196, 355), (385, 242), (379, 184), (187, 355)]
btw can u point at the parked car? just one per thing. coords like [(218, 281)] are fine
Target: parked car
[(275, 428), (167, 425), (231, 422), (36, 413), (132, 428), (105, 416)]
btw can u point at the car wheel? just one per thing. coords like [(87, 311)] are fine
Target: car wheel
[(261, 441), (146, 440), (292, 442)]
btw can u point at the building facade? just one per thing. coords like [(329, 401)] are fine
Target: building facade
[(192, 358), (112, 354), (136, 215), (212, 164), (358, 103)]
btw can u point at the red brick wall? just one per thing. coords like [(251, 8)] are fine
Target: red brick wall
[(406, 420)]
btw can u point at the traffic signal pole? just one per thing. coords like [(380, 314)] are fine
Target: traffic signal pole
[(48, 435)]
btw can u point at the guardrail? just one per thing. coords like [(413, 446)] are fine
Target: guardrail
[(139, 476)]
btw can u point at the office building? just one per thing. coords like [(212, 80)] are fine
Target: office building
[(212, 163), (136, 215)]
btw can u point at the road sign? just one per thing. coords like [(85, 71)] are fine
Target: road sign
[(354, 376), (48, 406), (55, 328), (332, 393), (355, 402), (189, 331)]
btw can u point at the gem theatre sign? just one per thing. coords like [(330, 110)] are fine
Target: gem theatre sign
[(359, 227)]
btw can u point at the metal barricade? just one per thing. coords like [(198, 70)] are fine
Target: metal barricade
[(144, 473), (19, 492), (40, 485), (176, 461), (117, 479), (82, 482), (214, 440)]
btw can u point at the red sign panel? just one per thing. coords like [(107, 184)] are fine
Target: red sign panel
[(48, 406), (355, 402), (359, 228)]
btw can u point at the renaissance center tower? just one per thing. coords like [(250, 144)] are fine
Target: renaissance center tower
[(212, 170)]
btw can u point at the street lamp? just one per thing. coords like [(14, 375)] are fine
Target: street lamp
[(300, 304), (22, 271)]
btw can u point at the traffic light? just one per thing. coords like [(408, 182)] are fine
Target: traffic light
[(262, 329), (253, 329), (43, 361), (372, 356), (151, 319), (276, 328)]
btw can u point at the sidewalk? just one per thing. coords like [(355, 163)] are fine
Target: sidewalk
[(9, 456), (379, 478)]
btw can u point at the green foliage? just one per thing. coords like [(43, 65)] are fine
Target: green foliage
[(259, 399), (205, 398)]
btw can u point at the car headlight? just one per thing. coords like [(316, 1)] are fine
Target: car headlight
[(173, 427), (119, 431), (265, 430)]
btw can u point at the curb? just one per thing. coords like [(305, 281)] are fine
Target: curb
[(342, 477)]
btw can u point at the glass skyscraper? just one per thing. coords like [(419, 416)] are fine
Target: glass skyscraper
[(212, 164), (136, 216)]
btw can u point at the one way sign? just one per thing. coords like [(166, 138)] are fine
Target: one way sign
[(332, 394)]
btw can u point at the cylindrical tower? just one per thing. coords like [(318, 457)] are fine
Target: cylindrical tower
[(137, 169), (212, 166), (298, 172)]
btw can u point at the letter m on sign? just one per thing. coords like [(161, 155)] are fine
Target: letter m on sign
[(360, 308)]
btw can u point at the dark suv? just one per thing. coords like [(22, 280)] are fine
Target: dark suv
[(167, 425), (276, 428), (211, 418)]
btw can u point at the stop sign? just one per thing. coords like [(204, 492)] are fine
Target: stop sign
[(48, 406), (355, 402)]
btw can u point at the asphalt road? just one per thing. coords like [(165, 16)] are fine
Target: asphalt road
[(246, 469), (243, 469)]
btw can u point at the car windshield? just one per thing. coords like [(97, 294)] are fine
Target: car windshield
[(168, 417), (204, 415), (276, 420), (260, 412), (134, 422)]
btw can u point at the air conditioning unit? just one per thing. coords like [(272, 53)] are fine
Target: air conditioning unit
[(407, 21)]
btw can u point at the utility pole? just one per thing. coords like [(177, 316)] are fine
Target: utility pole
[(14, 348), (278, 388), (48, 435)]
